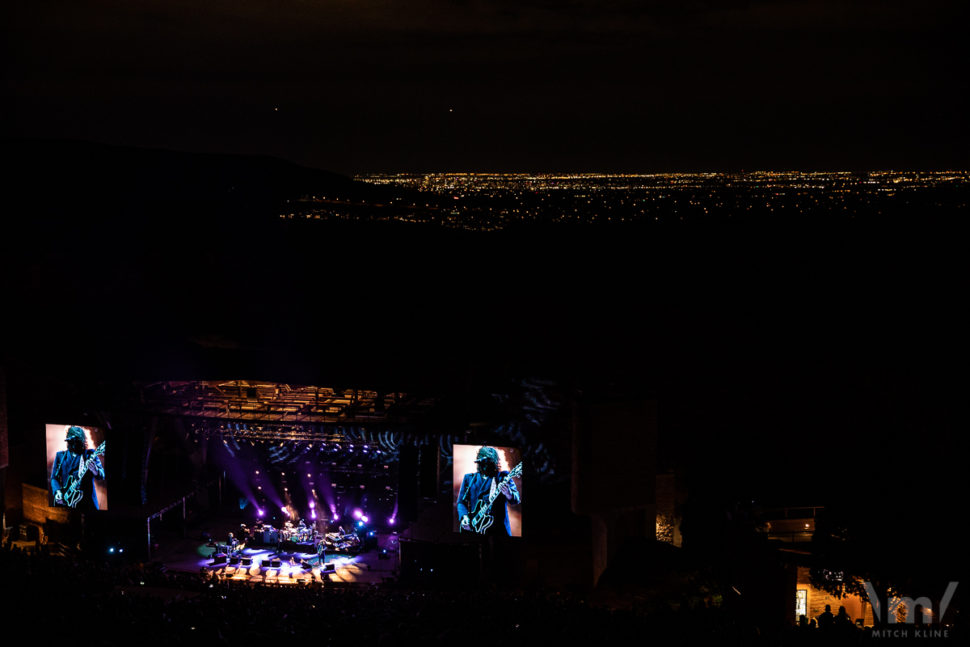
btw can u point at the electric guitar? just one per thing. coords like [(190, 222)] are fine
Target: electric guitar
[(71, 493), (482, 520)]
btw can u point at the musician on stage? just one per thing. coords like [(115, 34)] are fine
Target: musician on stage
[(478, 486), (321, 552), (68, 463), (280, 538)]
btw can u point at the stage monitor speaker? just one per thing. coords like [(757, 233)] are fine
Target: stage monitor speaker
[(234, 560), (328, 567), (275, 563), (407, 489), (219, 558), (246, 561), (428, 471)]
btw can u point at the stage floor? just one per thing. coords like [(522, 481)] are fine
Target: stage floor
[(194, 555)]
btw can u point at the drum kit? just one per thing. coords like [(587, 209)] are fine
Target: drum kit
[(343, 541), (299, 535), (269, 535)]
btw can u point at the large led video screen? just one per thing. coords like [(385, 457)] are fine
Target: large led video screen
[(76, 467), (487, 494)]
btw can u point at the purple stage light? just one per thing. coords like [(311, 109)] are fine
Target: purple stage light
[(391, 521), (365, 519), (336, 517), (313, 514), (260, 513), (358, 513), (311, 505)]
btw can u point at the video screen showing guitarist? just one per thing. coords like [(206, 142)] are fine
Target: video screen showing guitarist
[(75, 472), (486, 494)]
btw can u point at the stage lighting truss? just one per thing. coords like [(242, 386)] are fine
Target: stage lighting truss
[(273, 402), (253, 412)]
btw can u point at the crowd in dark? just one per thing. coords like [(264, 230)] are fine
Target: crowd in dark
[(115, 603)]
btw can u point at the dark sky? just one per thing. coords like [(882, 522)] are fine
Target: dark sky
[(369, 85)]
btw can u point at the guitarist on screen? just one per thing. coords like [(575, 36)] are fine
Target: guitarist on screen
[(476, 488), (72, 478)]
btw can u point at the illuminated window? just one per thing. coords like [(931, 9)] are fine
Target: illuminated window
[(801, 603)]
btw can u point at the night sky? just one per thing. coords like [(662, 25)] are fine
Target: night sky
[(371, 85)]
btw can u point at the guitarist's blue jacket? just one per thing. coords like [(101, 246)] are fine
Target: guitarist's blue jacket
[(65, 464), (475, 488)]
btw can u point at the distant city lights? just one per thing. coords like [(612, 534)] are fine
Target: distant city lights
[(492, 201)]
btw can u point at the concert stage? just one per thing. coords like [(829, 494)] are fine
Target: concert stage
[(296, 565)]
